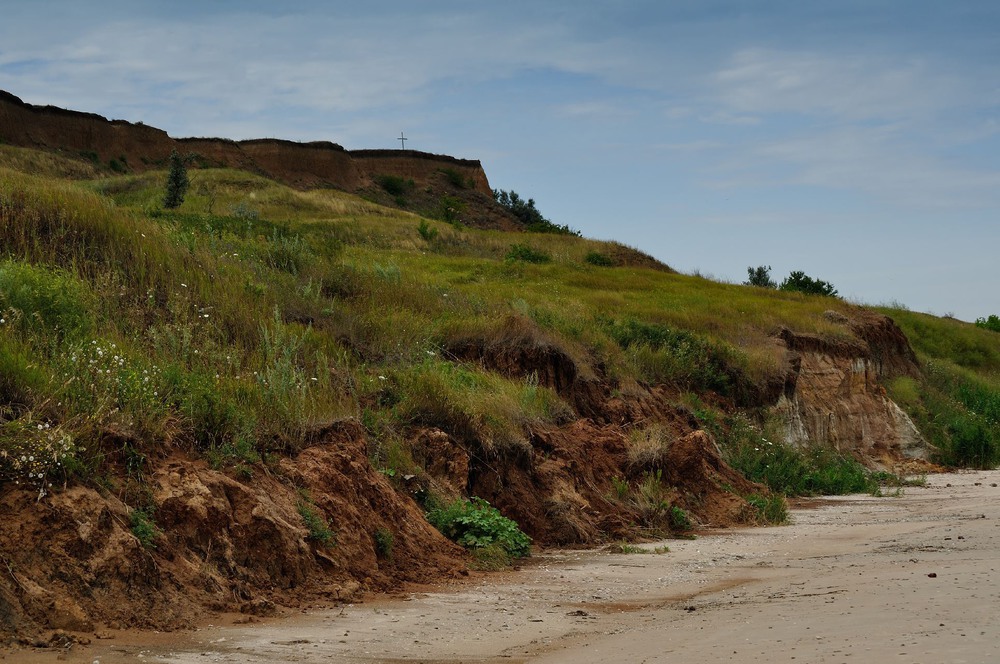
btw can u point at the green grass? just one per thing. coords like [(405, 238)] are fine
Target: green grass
[(763, 457), (956, 403), (252, 318)]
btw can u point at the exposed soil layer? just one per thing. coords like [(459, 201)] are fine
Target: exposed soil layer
[(224, 544), (857, 578)]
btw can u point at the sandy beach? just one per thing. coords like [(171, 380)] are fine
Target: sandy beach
[(910, 578)]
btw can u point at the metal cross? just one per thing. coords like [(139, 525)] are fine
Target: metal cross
[(402, 140)]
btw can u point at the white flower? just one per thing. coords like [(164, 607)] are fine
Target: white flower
[(381, 377), (184, 285)]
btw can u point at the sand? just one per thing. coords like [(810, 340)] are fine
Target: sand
[(911, 578)]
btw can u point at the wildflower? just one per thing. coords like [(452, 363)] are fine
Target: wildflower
[(381, 377)]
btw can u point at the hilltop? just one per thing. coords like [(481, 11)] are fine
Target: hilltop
[(267, 396)]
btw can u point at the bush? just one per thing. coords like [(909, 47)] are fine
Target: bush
[(395, 185), (990, 323), (522, 252), (528, 214), (800, 282), (760, 276), (428, 233), (456, 179), (599, 259), (38, 300), (475, 524)]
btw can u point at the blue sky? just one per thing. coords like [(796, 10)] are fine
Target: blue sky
[(856, 141)]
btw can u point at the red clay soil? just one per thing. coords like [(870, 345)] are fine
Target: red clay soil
[(72, 562)]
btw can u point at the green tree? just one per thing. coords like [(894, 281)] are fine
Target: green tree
[(990, 323), (803, 283), (528, 214), (177, 182), (760, 276)]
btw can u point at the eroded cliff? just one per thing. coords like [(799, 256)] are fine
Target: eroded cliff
[(834, 392)]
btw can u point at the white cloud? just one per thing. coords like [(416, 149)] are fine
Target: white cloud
[(853, 87)]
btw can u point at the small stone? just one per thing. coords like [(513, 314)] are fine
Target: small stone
[(932, 575)]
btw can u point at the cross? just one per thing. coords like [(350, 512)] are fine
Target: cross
[(402, 140)]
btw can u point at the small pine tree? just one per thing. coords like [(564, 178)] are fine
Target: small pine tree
[(177, 182)]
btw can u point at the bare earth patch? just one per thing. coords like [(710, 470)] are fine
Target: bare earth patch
[(854, 579)]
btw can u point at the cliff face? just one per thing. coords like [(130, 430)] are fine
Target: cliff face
[(301, 165), (834, 396)]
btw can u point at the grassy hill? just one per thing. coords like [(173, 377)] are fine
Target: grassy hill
[(258, 314), (256, 321)]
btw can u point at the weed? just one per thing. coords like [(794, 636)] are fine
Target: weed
[(620, 487), (425, 231), (790, 471), (318, 527), (679, 519), (384, 540), (627, 548), (475, 524), (771, 509), (648, 447), (144, 528), (524, 253)]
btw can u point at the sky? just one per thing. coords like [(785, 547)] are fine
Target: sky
[(854, 140)]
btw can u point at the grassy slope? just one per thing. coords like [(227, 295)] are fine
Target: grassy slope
[(247, 321)]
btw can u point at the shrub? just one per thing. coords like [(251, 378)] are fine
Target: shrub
[(992, 322), (760, 276), (599, 259), (528, 214), (425, 231), (451, 209), (475, 524), (522, 252), (395, 185), (456, 179), (800, 282), (38, 300), (679, 519)]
